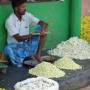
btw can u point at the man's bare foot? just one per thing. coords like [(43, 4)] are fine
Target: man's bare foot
[(37, 57)]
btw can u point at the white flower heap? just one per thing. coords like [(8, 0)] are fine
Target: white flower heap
[(39, 83), (74, 47)]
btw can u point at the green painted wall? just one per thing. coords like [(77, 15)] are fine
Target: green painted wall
[(54, 13), (75, 23), (4, 13)]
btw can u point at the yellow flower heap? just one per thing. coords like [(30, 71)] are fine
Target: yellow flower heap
[(46, 69), (2, 89), (67, 63), (85, 28)]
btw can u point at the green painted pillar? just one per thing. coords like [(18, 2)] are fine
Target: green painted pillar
[(75, 17)]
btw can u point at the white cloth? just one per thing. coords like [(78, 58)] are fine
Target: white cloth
[(15, 26)]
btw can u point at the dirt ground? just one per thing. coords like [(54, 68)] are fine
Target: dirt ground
[(86, 88)]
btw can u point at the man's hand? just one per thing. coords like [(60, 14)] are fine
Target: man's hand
[(22, 38), (43, 33)]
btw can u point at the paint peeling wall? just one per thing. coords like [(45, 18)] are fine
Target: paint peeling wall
[(85, 7)]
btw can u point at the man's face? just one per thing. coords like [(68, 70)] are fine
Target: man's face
[(21, 9), (4, 1)]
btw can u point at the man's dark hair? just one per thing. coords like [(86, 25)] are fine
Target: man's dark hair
[(16, 3)]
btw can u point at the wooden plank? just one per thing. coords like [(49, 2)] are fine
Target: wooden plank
[(34, 34), (3, 58)]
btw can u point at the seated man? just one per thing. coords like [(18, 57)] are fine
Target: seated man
[(20, 43)]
